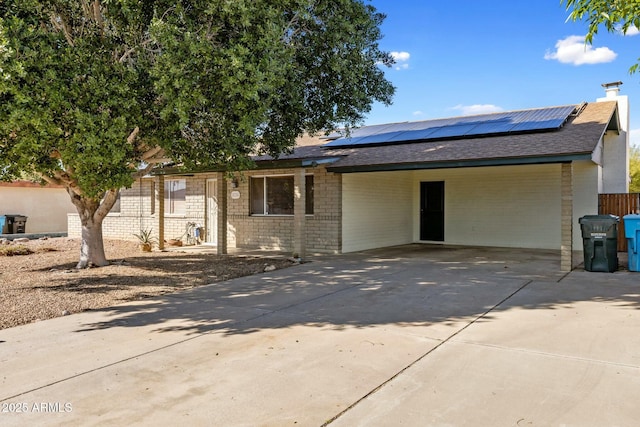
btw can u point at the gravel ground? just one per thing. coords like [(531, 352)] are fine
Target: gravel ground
[(45, 283)]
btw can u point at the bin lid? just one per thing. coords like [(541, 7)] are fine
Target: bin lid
[(631, 216), (593, 218)]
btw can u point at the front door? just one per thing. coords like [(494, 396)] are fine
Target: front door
[(212, 212), (432, 211)]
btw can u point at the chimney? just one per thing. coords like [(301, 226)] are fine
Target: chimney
[(612, 89)]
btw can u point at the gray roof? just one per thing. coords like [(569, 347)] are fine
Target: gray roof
[(577, 139)]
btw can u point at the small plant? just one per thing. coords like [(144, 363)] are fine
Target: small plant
[(146, 240), (14, 250)]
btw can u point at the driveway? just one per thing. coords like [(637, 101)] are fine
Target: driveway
[(416, 335)]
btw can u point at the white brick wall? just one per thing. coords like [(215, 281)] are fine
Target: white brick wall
[(270, 232), (377, 210), (511, 206)]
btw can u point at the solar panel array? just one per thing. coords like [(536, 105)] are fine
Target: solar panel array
[(541, 119)]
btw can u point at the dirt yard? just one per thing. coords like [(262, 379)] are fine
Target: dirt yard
[(45, 284)]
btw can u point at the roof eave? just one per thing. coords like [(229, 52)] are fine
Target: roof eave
[(511, 161)]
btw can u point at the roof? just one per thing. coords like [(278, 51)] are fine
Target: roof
[(576, 138)]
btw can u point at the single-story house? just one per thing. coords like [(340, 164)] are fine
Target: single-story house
[(45, 206), (511, 179)]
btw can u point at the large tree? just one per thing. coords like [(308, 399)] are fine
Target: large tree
[(93, 93), (613, 15)]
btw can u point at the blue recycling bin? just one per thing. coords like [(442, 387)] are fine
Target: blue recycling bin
[(2, 221), (632, 233)]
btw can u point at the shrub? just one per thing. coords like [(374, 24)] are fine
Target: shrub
[(14, 250)]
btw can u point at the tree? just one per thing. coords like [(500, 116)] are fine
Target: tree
[(94, 93), (634, 169), (614, 15)]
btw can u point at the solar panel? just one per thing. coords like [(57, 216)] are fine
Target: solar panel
[(547, 118), (458, 127)]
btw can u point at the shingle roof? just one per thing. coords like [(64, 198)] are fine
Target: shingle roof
[(576, 139)]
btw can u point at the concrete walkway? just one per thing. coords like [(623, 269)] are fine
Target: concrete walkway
[(417, 335)]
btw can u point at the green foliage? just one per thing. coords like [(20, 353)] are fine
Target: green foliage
[(146, 236), (208, 82), (93, 90), (614, 15), (634, 169)]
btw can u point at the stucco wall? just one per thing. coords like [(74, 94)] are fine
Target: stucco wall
[(45, 207), (377, 210), (615, 163)]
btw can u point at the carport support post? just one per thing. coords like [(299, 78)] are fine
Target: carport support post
[(222, 216), (566, 217), (159, 211), (299, 213)]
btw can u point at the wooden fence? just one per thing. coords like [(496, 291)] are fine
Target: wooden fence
[(619, 205)]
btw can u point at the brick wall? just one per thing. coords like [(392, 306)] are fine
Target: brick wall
[(323, 229), (137, 211)]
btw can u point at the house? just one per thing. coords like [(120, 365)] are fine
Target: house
[(512, 179), (45, 206)]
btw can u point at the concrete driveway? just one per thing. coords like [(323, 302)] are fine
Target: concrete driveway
[(417, 335)]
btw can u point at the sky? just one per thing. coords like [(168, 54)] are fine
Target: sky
[(472, 57)]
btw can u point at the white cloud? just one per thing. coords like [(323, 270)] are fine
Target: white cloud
[(418, 113), (631, 31), (402, 60), (470, 110), (573, 50)]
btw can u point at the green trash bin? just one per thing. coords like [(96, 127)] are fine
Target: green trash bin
[(600, 241)]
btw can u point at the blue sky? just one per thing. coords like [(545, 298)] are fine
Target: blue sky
[(474, 57)]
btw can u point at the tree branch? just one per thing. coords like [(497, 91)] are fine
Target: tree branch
[(132, 136)]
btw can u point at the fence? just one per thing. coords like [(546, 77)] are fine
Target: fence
[(619, 205)]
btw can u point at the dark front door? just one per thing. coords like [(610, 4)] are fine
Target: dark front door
[(432, 211)]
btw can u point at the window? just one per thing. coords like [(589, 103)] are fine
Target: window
[(174, 196), (273, 195)]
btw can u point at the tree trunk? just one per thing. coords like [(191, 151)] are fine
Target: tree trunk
[(92, 212), (92, 247)]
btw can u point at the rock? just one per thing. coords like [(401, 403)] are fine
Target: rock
[(65, 313), (21, 240), (270, 268), (4, 241)]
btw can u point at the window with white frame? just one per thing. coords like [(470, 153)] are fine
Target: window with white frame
[(174, 196), (273, 195)]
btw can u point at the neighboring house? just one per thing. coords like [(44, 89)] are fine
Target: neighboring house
[(46, 207), (512, 179)]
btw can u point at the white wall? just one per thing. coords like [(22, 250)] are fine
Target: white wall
[(45, 207), (615, 163), (377, 210), (586, 177), (615, 148), (505, 206)]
